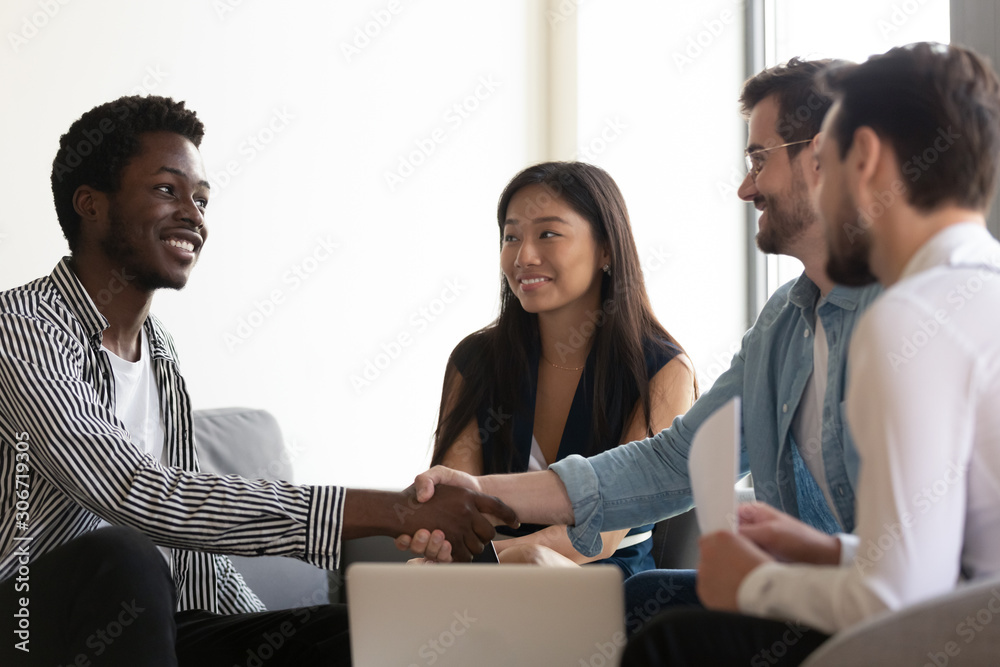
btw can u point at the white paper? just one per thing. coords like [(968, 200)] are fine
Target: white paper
[(713, 467)]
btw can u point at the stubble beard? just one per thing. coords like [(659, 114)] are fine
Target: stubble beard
[(788, 217), (121, 249)]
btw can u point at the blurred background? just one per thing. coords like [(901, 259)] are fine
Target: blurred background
[(357, 150)]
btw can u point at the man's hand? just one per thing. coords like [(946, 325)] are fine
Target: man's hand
[(458, 519), (434, 545), (426, 481), (785, 537), (726, 559)]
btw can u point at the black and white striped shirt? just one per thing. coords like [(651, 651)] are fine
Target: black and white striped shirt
[(68, 461)]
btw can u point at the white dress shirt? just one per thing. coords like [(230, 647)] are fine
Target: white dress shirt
[(923, 406)]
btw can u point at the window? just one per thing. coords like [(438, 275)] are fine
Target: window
[(851, 30)]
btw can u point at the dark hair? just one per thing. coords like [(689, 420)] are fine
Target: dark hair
[(802, 105), (938, 106), (102, 141), (625, 323)]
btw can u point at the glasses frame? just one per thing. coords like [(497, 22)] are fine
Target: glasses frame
[(749, 157)]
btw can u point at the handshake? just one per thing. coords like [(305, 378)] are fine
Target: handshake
[(443, 515)]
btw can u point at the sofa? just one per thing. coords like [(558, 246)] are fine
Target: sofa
[(248, 443)]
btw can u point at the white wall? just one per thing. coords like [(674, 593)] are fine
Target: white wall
[(329, 125), (669, 75)]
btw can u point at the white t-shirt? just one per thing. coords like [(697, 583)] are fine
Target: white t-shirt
[(923, 386), (137, 405), (808, 422)]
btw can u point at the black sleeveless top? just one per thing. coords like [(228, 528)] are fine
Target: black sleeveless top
[(577, 437)]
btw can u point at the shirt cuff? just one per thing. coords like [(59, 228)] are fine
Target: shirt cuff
[(753, 595), (583, 488), (326, 515), (848, 548)]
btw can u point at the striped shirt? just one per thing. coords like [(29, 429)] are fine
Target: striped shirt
[(66, 461)]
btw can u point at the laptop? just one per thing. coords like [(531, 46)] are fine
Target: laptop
[(467, 615)]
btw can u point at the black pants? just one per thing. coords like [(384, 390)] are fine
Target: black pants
[(107, 599), (704, 638)]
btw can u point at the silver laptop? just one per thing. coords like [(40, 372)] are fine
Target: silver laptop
[(480, 616)]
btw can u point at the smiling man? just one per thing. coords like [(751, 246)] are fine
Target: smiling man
[(923, 389), (95, 429)]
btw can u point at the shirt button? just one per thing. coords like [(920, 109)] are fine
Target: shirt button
[(805, 334), (840, 490), (784, 408)]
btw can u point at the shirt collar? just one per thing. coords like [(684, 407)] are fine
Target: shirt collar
[(805, 294), (94, 323), (962, 244), (79, 302)]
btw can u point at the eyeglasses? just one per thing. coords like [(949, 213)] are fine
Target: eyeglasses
[(755, 159)]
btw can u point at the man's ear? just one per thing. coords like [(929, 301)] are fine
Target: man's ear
[(89, 203), (863, 160)]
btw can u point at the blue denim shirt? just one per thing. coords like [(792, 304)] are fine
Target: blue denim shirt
[(643, 482)]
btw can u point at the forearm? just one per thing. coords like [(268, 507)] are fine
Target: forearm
[(555, 538), (537, 497), (368, 513)]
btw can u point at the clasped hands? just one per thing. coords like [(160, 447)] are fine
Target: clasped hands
[(765, 535), (444, 522)]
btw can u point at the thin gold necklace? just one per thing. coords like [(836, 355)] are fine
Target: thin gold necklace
[(562, 368)]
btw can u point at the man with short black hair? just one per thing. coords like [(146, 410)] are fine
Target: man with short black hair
[(95, 429), (908, 161)]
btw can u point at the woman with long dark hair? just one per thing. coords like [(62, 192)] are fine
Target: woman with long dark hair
[(575, 363)]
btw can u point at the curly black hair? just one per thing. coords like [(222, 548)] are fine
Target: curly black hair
[(103, 140)]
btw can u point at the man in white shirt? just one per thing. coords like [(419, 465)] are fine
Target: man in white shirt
[(907, 163)]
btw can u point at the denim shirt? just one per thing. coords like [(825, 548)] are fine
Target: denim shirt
[(643, 482)]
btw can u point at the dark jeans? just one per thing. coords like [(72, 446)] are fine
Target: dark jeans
[(107, 599), (704, 638), (650, 593)]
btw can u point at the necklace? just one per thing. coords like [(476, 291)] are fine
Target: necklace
[(562, 368)]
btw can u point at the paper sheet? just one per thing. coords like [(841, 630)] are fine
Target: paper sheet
[(713, 466)]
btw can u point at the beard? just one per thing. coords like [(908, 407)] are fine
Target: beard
[(124, 250), (848, 246), (788, 216)]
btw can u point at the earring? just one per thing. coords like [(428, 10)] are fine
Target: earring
[(607, 269)]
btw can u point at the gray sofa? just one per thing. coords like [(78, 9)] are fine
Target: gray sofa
[(248, 443), (961, 627)]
